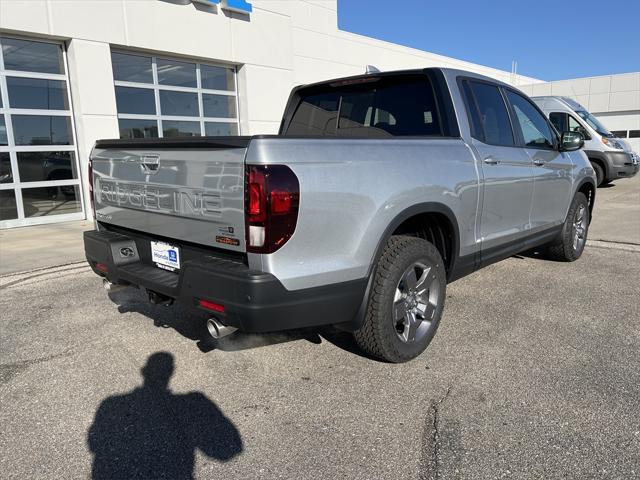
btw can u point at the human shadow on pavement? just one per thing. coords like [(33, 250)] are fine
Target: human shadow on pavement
[(153, 433), (194, 328)]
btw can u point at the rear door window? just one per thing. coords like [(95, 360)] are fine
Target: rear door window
[(488, 114), (380, 107)]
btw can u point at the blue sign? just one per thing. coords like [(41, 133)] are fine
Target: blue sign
[(241, 6)]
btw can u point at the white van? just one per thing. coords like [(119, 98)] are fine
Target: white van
[(611, 157)]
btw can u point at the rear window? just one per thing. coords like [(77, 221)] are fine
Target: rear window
[(382, 107)]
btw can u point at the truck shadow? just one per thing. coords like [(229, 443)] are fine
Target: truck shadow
[(194, 327)]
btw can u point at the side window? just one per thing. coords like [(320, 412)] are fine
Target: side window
[(533, 126), (559, 120), (575, 126), (491, 117)]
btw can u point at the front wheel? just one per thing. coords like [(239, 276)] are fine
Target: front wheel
[(570, 245), (599, 173), (406, 300)]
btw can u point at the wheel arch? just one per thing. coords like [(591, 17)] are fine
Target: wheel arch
[(588, 188), (597, 157), (426, 210)]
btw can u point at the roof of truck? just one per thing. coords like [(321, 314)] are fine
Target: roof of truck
[(448, 72)]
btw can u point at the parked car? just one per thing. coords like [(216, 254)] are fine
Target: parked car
[(610, 157), (378, 191)]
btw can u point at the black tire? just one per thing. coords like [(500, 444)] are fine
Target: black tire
[(564, 248), (599, 173), (380, 335)]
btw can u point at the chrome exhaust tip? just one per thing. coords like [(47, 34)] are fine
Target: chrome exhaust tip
[(218, 330), (112, 287)]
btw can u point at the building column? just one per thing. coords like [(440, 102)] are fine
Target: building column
[(93, 99)]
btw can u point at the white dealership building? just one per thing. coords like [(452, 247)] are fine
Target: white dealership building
[(75, 71)]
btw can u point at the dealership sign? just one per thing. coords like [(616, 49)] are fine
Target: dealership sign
[(240, 6)]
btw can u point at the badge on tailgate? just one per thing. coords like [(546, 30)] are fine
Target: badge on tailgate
[(165, 256)]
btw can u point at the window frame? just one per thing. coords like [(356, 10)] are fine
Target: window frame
[(157, 87), (7, 112)]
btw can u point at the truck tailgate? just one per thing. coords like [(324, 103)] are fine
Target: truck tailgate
[(190, 189)]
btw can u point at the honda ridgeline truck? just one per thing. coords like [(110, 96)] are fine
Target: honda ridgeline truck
[(378, 191), (611, 157)]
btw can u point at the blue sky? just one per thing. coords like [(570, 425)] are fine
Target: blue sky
[(551, 40)]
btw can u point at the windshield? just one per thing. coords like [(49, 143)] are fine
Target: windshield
[(594, 123)]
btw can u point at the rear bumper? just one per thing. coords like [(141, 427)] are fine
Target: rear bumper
[(253, 301)]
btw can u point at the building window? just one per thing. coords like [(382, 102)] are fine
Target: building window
[(39, 177), (163, 97)]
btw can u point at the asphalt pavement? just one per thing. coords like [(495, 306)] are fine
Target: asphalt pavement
[(534, 373)]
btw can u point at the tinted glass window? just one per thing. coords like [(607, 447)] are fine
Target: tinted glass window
[(180, 74), (634, 133), (46, 201), (492, 114), (138, 128), (533, 126), (6, 176), (220, 128), (620, 133), (179, 103), (217, 78), (131, 68), (135, 100), (475, 124), (43, 166), (29, 56), (8, 208), (173, 128), (222, 106), (559, 121), (3, 132), (41, 130), (386, 107), (37, 93)]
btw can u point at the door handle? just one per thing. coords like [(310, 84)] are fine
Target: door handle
[(538, 163), (491, 160)]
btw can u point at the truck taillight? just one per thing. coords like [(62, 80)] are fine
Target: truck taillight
[(271, 207), (90, 172)]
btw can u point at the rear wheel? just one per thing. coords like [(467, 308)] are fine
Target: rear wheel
[(599, 173), (405, 302), (572, 240)]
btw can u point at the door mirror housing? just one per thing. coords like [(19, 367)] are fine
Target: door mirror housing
[(570, 141)]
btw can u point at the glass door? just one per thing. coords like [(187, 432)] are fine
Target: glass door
[(39, 175)]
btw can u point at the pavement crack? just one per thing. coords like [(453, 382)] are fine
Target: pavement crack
[(10, 370), (430, 464)]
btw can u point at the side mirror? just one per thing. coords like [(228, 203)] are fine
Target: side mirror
[(571, 141)]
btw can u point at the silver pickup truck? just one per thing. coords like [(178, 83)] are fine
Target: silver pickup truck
[(378, 191)]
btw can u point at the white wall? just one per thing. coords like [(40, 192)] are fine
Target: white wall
[(283, 43), (614, 99)]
